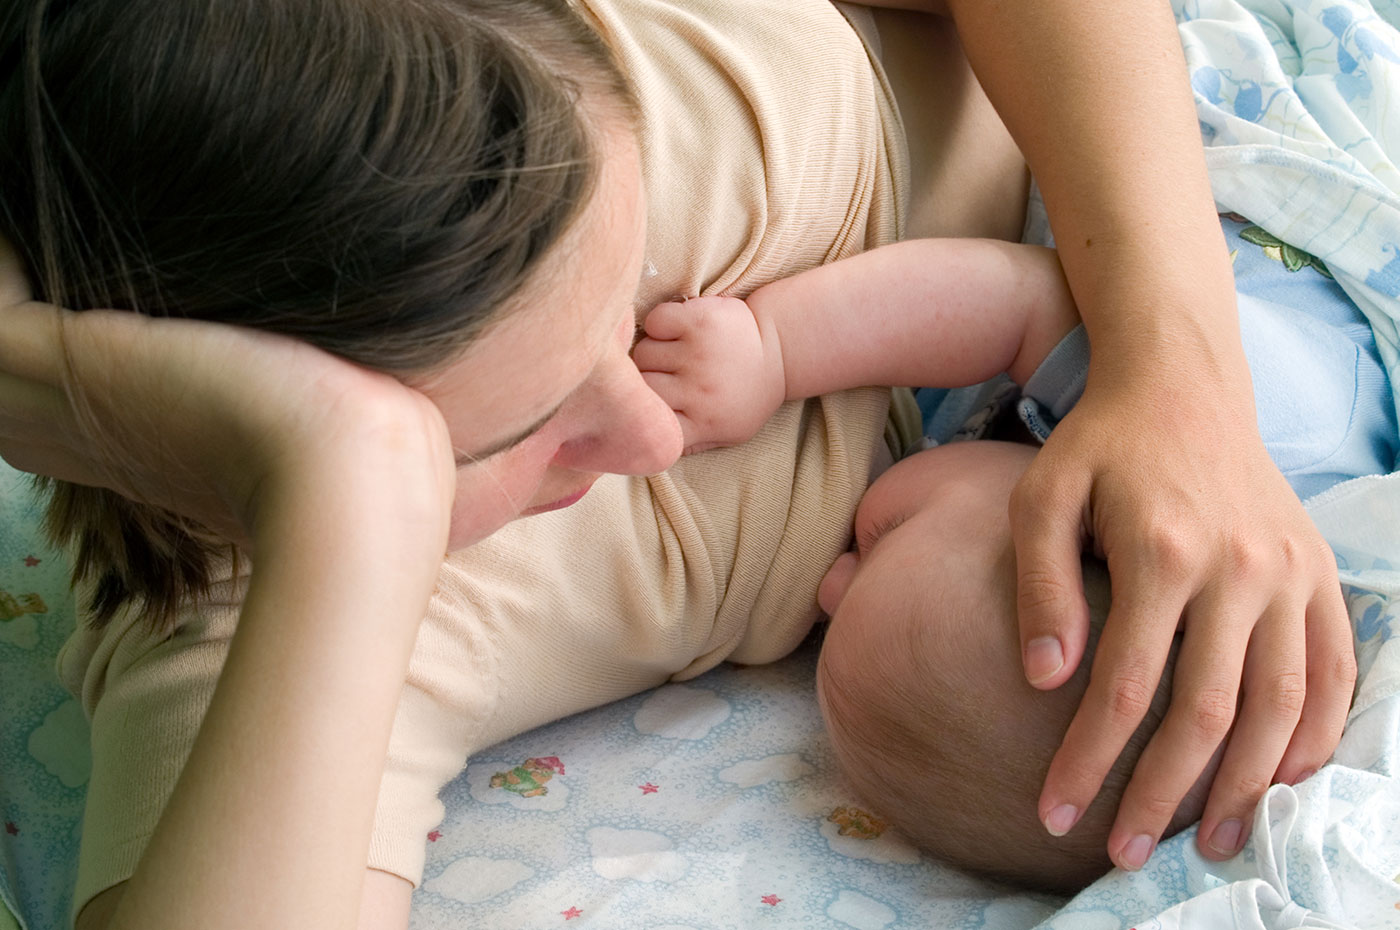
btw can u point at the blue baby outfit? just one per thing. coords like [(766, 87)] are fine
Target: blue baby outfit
[(1321, 392)]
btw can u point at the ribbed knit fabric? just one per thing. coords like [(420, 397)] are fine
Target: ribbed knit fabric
[(749, 179)]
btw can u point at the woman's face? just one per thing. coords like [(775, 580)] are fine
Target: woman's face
[(548, 399)]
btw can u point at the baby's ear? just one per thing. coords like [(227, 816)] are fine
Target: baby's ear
[(837, 579)]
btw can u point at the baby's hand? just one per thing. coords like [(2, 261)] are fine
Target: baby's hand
[(718, 367)]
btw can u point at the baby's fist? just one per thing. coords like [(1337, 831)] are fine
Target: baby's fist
[(708, 358)]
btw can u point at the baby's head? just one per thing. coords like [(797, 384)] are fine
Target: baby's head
[(933, 723)]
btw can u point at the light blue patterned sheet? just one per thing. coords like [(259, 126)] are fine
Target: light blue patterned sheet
[(43, 735)]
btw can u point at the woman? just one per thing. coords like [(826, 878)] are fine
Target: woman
[(335, 480)]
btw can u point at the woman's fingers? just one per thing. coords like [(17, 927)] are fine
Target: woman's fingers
[(1273, 691), (1131, 654), (1053, 615), (1330, 680), (1204, 697)]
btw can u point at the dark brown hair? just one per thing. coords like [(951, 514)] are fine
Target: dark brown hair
[(375, 177)]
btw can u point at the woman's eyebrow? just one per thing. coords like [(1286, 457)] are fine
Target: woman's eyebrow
[(467, 458)]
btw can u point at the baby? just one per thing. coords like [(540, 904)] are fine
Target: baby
[(933, 723), (926, 703)]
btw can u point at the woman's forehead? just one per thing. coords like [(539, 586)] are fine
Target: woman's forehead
[(558, 327)]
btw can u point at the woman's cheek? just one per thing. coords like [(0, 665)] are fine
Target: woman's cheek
[(488, 497)]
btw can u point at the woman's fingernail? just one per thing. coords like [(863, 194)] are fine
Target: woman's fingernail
[(1135, 854), (1061, 819), (1226, 837), (1044, 658)]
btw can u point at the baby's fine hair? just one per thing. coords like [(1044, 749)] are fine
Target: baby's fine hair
[(374, 177), (937, 732)]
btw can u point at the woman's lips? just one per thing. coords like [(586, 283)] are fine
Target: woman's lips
[(561, 503)]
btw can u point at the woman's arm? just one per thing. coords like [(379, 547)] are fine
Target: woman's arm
[(339, 483), (270, 822), (1160, 465)]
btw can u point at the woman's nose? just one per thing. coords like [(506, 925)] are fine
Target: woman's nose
[(627, 430)]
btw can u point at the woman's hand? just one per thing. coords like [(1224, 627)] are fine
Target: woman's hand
[(1215, 544), (208, 420)]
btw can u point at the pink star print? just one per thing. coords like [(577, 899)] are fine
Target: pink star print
[(771, 900), (571, 913), (434, 836), (649, 788), (30, 561), (11, 829)]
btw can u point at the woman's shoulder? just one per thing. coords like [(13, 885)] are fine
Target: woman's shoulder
[(94, 657)]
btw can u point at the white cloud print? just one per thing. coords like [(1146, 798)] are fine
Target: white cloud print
[(751, 773), (475, 879), (856, 910), (61, 744), (22, 632), (681, 712), (639, 855)]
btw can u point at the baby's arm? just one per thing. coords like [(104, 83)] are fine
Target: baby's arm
[(927, 312)]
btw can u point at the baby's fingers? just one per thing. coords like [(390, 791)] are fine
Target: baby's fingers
[(653, 355), (671, 320), (670, 388)]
